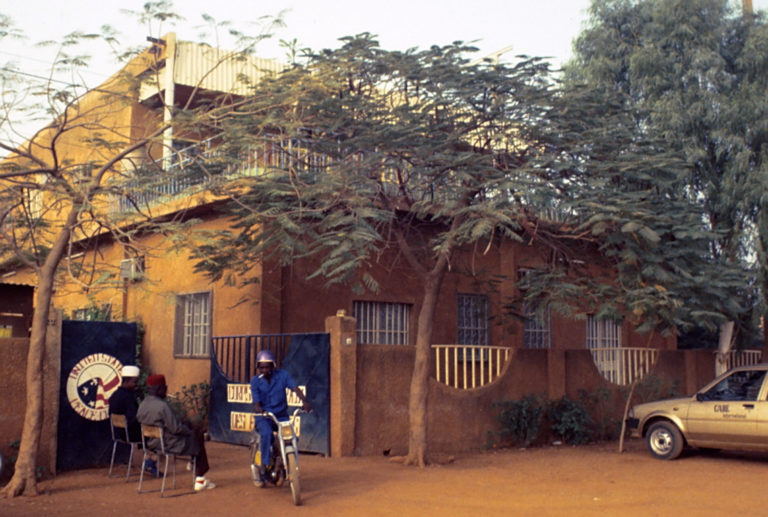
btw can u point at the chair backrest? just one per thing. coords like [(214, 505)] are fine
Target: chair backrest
[(153, 431), (119, 422)]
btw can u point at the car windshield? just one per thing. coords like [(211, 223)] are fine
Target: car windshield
[(742, 385)]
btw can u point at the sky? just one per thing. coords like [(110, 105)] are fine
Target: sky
[(544, 28), (532, 27)]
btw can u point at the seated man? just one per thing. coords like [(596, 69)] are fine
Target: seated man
[(268, 392), (180, 438), (123, 401)]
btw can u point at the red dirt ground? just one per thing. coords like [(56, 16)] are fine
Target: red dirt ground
[(558, 481)]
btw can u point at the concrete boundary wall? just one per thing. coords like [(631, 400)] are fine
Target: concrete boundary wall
[(370, 388), (13, 401)]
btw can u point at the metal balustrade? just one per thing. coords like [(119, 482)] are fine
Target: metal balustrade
[(469, 366), (201, 166), (624, 365), (743, 358)]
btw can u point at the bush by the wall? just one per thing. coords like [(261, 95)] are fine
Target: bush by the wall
[(192, 404), (520, 421), (570, 421)]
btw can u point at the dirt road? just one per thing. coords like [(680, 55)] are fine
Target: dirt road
[(556, 481)]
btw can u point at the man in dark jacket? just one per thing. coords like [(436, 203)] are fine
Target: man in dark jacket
[(180, 438)]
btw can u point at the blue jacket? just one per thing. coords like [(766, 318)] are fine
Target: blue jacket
[(271, 394)]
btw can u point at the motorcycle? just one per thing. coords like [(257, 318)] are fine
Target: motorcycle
[(284, 464)]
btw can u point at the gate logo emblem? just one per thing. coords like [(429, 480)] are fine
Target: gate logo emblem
[(91, 382)]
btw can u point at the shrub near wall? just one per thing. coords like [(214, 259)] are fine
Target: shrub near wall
[(533, 420)]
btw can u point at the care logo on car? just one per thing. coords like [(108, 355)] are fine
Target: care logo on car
[(91, 382)]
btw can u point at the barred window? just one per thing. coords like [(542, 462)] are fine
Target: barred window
[(537, 329), (93, 313), (192, 333), (382, 323), (603, 333), (472, 319)]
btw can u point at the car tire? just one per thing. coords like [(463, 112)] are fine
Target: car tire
[(664, 440)]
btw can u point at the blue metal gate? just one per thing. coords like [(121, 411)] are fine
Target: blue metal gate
[(233, 363), (92, 356)]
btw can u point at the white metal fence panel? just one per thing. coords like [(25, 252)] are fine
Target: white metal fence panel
[(469, 366), (624, 365), (743, 358)]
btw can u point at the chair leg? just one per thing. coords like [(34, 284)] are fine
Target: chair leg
[(130, 462), (141, 475), (112, 461), (165, 474), (174, 472)]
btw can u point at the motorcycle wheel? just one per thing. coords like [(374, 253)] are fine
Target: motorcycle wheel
[(293, 478)]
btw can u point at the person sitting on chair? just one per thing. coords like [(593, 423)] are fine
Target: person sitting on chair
[(268, 391), (123, 401), (180, 438)]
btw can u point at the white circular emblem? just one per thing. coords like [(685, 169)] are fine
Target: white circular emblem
[(90, 384)]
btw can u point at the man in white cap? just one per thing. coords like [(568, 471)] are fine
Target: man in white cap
[(123, 401)]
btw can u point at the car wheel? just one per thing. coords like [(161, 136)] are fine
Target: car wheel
[(664, 440)]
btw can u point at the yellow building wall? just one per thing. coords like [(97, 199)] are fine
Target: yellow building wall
[(151, 301)]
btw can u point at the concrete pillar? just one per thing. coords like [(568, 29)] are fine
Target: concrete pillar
[(343, 378)]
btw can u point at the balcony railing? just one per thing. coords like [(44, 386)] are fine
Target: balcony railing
[(202, 166), (469, 366), (743, 358)]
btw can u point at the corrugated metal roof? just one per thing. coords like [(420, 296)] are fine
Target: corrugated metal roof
[(214, 69), (11, 281), (220, 70)]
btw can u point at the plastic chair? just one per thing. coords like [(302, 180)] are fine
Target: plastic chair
[(153, 431), (119, 427)]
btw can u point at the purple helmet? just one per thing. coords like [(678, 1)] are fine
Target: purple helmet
[(265, 356)]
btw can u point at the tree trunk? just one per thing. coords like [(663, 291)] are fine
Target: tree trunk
[(418, 401), (24, 480), (724, 344)]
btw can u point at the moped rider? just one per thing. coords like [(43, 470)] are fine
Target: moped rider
[(268, 391)]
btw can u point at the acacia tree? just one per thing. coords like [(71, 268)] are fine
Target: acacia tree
[(423, 153), (624, 193), (59, 186), (694, 75)]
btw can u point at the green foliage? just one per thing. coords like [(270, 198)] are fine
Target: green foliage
[(93, 312), (418, 152), (192, 404), (570, 421), (692, 76), (520, 421)]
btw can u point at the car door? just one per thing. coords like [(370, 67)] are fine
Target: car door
[(725, 414)]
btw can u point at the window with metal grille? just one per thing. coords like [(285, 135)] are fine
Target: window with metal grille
[(603, 333), (192, 333), (472, 319), (382, 323), (537, 329), (94, 313)]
